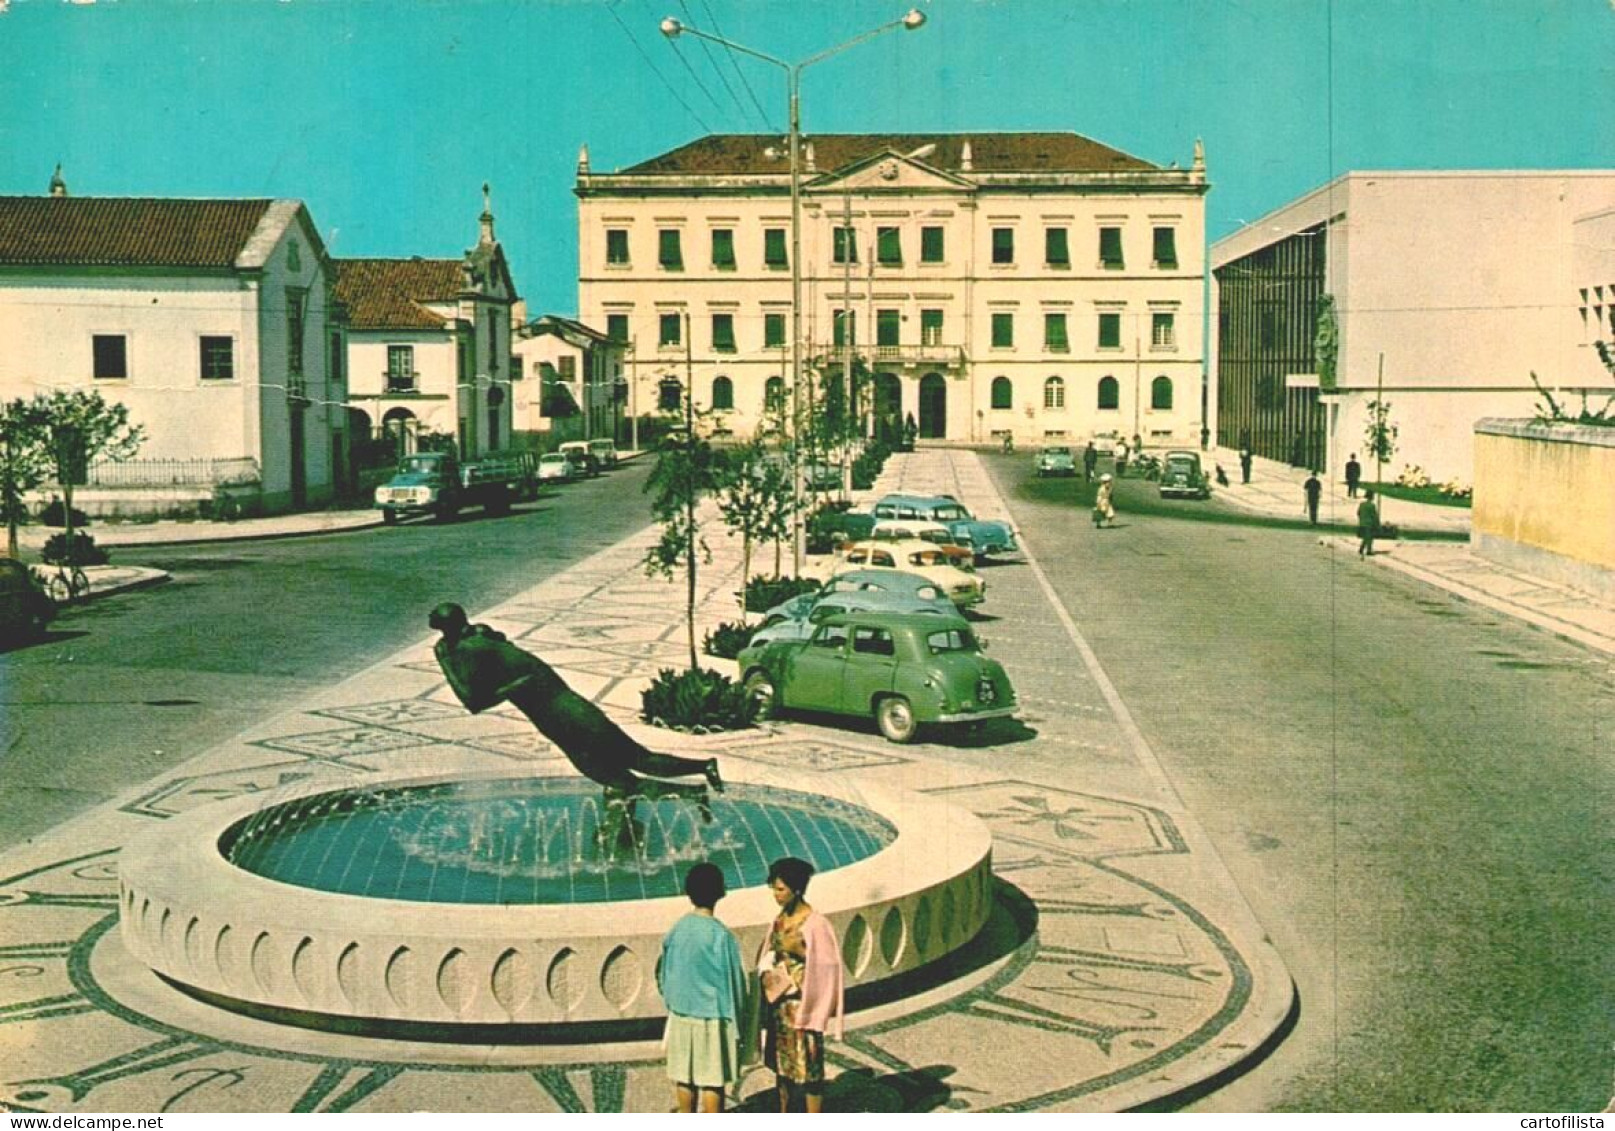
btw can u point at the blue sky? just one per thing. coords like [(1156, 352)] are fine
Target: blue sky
[(386, 116)]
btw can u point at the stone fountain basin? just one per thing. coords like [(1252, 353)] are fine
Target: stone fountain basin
[(201, 922)]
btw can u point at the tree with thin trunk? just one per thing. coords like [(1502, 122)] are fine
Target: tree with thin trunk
[(24, 463), (686, 470), (743, 501), (80, 428)]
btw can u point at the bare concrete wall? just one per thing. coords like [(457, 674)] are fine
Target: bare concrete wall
[(1545, 501)]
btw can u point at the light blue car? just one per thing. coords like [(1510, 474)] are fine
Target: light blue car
[(810, 610), (983, 536)]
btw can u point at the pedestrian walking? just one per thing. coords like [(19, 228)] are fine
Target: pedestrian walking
[(800, 965), (1245, 460), (1104, 507), (1367, 524), (1119, 455), (703, 983), (1090, 460), (1314, 490), (1354, 475)]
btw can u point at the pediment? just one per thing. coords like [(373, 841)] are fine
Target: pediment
[(887, 172)]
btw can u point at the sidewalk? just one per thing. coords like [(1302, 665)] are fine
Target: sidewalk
[(1109, 894), (1275, 490)]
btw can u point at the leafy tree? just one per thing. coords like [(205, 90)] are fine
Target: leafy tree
[(1379, 435), (743, 490), (687, 469), (24, 463), (80, 427)]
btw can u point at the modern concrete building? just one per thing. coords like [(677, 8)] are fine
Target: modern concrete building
[(1040, 285), (429, 344), (573, 385), (1451, 288), (210, 319)]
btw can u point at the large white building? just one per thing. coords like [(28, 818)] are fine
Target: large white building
[(1041, 285), (571, 378), (429, 344), (1451, 288), (210, 319)]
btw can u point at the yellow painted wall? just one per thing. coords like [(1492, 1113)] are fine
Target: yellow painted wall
[(1552, 488)]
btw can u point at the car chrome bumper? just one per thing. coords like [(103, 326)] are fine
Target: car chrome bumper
[(978, 716)]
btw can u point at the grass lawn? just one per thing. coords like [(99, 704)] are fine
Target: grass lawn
[(1431, 494)]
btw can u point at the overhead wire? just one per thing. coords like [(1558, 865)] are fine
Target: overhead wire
[(735, 63), (655, 70)]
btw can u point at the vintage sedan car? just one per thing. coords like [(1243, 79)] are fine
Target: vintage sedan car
[(582, 459), (1183, 477), (1056, 461), (984, 536), (25, 607), (910, 585), (901, 529), (553, 467), (604, 452), (903, 669), (916, 557), (813, 610)]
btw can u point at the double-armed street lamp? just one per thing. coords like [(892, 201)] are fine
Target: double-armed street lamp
[(673, 28)]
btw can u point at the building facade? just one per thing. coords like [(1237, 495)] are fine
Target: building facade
[(1041, 286), (573, 385), (212, 320), (429, 344), (1450, 290)]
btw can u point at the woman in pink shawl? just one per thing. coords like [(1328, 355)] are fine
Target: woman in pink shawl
[(802, 944)]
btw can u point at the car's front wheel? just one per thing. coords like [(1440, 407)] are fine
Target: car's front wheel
[(895, 717), (760, 690)]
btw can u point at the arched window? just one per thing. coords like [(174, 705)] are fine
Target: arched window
[(1054, 393), (1110, 393), (1161, 393), (1003, 393), (773, 395), (723, 393)]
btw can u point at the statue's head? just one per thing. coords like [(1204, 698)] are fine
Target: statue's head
[(448, 618)]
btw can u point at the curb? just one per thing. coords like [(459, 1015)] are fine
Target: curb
[(149, 578)]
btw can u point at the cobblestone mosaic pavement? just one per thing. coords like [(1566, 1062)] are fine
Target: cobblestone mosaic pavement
[(1121, 965)]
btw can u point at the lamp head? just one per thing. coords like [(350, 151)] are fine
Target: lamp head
[(673, 29), (913, 21)]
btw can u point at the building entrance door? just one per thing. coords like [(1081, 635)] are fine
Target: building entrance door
[(888, 406), (933, 407)]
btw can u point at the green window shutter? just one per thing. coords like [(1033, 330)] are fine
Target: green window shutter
[(1003, 245), (617, 245), (774, 248), (845, 245), (889, 247), (931, 327), (773, 330), (1054, 332), (931, 245), (1056, 250), (723, 249), (888, 327), (845, 328), (723, 332), (1110, 247), (1166, 247), (670, 254), (670, 331), (1003, 329), (1110, 331), (617, 327)]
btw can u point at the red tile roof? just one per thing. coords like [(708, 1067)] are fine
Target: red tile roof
[(87, 231), (719, 154), (387, 294)]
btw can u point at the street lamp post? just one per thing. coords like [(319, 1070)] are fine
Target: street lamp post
[(672, 29)]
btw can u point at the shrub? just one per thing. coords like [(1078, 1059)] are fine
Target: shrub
[(697, 699), (823, 524), (726, 641), (1413, 476), (54, 515), (763, 593), (84, 551), (1456, 490)]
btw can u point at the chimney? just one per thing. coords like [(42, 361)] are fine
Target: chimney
[(58, 187), (485, 237), (967, 158), (583, 160)]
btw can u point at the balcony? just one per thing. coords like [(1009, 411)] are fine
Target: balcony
[(911, 356), (402, 382)]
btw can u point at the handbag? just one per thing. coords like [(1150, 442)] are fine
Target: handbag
[(777, 983)]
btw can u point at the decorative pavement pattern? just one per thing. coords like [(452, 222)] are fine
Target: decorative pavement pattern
[(1121, 965)]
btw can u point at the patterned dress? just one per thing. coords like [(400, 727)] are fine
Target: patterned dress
[(796, 1055)]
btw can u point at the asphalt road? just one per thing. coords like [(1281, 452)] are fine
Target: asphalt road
[(1415, 794), (135, 683)]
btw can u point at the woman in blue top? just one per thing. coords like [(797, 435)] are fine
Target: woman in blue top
[(703, 984)]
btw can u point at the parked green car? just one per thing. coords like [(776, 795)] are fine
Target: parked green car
[(903, 669)]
